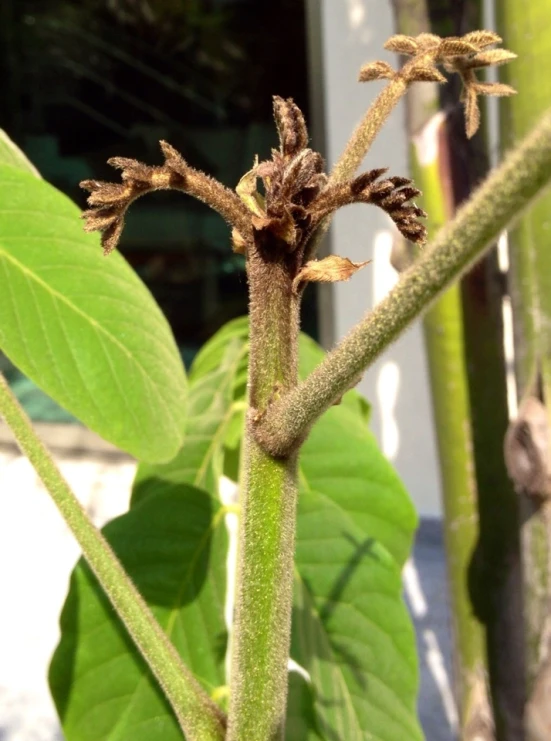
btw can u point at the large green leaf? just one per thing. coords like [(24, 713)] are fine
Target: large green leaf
[(351, 629), (210, 411), (83, 328), (173, 545)]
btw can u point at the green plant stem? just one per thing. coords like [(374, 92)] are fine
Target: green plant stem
[(261, 636), (526, 30), (199, 717), (496, 204), (359, 144)]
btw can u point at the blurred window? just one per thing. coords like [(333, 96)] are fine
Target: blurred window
[(84, 80)]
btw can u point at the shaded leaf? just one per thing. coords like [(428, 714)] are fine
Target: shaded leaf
[(210, 412), (342, 461), (174, 547), (376, 71), (11, 155), (301, 723), (86, 330), (351, 630)]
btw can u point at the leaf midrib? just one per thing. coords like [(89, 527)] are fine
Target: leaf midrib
[(95, 325)]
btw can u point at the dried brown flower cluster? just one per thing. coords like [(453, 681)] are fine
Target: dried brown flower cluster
[(462, 55), (297, 198)]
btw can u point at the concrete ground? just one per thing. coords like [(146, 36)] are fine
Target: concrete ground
[(37, 554)]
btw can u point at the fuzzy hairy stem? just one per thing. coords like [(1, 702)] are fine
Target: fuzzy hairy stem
[(261, 638), (496, 204), (199, 718), (361, 140), (359, 144)]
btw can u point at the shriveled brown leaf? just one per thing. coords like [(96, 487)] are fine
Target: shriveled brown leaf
[(246, 190), (376, 71), (328, 270), (239, 245)]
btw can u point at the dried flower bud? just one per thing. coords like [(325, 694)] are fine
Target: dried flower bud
[(376, 71), (425, 73), (482, 39), (455, 47), (491, 57), (402, 44), (293, 135), (427, 41), (110, 200)]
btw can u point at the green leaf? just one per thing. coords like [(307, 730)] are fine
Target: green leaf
[(300, 723), (84, 328), (351, 631), (11, 155), (210, 413), (173, 545), (341, 460), (210, 356)]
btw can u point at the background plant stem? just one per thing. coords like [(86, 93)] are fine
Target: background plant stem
[(526, 27), (464, 339), (261, 638), (430, 159), (198, 716)]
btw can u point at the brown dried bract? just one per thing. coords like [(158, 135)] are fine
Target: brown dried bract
[(329, 270)]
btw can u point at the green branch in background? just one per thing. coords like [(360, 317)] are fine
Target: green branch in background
[(199, 717), (464, 345), (527, 27), (430, 162), (497, 203)]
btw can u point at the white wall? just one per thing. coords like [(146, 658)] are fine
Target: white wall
[(352, 33)]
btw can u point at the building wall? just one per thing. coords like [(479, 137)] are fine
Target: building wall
[(352, 33)]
